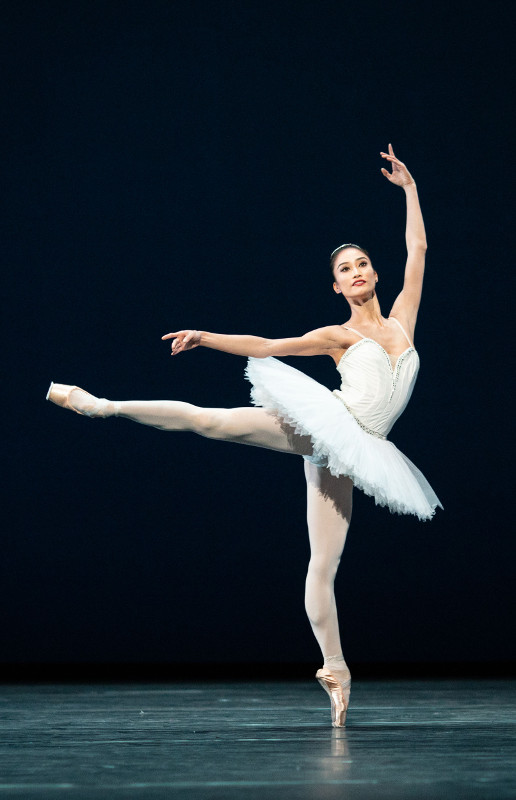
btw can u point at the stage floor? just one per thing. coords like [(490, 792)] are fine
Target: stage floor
[(403, 739)]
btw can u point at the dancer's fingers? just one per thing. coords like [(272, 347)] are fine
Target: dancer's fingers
[(170, 335), (396, 163), (392, 159)]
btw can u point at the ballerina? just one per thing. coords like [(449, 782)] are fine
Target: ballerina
[(341, 434)]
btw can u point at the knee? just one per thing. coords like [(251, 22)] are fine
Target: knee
[(323, 568), (211, 422)]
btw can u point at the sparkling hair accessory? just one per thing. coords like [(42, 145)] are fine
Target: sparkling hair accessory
[(348, 244)]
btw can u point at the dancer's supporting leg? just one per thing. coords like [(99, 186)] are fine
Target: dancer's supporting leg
[(329, 503)]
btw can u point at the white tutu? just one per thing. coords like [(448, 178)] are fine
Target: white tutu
[(374, 464)]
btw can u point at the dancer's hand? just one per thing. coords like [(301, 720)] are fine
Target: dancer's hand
[(400, 174), (183, 340)]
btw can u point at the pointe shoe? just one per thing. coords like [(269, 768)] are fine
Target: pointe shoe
[(338, 693), (59, 393)]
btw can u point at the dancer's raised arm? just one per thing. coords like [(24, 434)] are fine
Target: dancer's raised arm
[(407, 302), (321, 341)]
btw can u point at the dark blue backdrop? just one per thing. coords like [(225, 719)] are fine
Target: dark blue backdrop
[(193, 164)]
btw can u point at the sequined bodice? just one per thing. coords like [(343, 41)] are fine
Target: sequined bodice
[(374, 390)]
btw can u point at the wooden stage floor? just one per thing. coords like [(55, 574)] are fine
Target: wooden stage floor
[(211, 741)]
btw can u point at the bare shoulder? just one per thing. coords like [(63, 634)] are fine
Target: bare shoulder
[(334, 339), (338, 335), (332, 334), (341, 333)]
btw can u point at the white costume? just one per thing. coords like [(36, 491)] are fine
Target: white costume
[(348, 427)]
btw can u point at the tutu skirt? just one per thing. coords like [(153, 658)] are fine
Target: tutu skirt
[(375, 465)]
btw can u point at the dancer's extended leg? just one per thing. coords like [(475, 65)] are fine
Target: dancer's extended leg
[(329, 503), (247, 425)]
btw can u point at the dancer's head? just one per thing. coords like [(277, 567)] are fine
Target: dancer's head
[(352, 272)]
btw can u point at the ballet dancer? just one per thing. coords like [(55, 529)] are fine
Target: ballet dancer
[(341, 434)]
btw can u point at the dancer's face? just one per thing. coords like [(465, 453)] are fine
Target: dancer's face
[(354, 274)]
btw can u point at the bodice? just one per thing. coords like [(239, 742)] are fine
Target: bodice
[(374, 390)]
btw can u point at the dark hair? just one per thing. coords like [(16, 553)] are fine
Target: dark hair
[(340, 249)]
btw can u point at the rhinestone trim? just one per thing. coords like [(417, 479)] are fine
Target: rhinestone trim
[(358, 421), (396, 373)]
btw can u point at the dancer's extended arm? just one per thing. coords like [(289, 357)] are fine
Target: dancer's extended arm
[(407, 302), (318, 342)]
